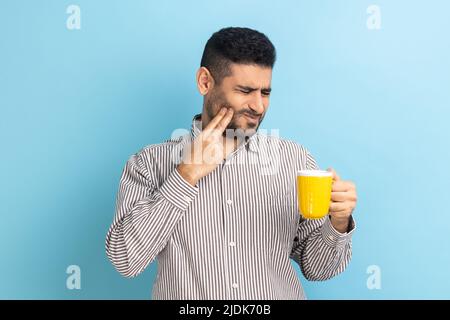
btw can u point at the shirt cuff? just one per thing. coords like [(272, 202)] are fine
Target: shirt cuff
[(334, 238), (178, 191)]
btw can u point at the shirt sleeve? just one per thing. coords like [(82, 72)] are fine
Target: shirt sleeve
[(321, 251), (145, 215)]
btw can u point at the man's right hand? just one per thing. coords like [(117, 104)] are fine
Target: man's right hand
[(207, 150)]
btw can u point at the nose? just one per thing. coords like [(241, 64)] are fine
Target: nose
[(257, 104)]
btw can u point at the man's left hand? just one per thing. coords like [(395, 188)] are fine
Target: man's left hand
[(343, 202)]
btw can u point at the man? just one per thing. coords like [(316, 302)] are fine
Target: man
[(218, 207)]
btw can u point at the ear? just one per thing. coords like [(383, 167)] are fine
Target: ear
[(205, 81)]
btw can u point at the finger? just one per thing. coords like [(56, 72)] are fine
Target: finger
[(340, 185), (339, 196), (335, 175), (338, 206), (223, 123), (341, 214), (213, 123)]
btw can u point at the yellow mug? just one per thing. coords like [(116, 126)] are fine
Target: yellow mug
[(314, 193)]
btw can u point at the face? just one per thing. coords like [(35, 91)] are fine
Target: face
[(247, 92)]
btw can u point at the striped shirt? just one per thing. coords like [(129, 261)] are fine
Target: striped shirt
[(233, 234)]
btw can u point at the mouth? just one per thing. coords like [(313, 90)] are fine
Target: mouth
[(252, 118)]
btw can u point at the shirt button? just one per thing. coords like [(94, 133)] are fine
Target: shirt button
[(187, 198), (234, 285), (331, 237), (229, 202), (232, 244)]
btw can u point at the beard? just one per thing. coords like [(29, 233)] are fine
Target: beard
[(217, 100)]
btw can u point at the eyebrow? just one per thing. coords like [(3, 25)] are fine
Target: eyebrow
[(251, 89)]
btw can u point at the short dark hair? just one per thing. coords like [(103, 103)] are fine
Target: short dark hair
[(236, 45)]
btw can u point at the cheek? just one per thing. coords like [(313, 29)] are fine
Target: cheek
[(242, 102), (236, 102)]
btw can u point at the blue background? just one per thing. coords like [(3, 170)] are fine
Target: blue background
[(75, 104)]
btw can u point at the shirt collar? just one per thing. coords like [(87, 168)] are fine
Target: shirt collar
[(251, 143)]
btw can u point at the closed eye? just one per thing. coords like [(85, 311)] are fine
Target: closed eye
[(247, 90)]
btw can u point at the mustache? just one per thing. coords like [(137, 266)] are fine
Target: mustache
[(249, 112)]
